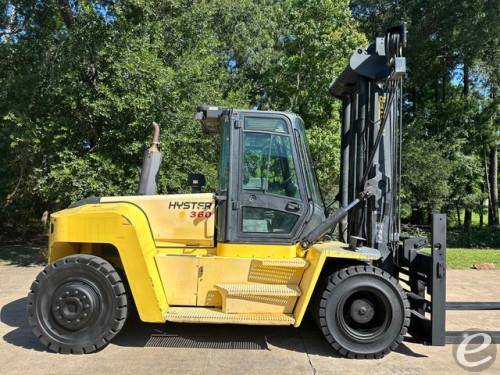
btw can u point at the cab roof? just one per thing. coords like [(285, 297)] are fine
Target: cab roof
[(210, 116)]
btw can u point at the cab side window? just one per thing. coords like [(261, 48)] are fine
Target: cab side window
[(266, 220), (268, 164), (268, 167)]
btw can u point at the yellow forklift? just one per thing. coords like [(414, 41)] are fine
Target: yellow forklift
[(259, 251)]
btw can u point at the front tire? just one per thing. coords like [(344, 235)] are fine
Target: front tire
[(363, 312), (77, 304)]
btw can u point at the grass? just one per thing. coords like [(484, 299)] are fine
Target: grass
[(460, 258)]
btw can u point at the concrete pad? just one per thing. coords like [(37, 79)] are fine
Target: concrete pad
[(211, 348)]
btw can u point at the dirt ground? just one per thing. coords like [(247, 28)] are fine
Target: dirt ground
[(230, 349)]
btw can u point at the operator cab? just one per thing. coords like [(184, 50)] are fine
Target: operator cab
[(268, 191)]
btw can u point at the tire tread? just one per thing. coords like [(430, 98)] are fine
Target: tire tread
[(116, 287), (332, 281)]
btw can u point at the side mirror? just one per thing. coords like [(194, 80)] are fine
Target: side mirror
[(196, 181)]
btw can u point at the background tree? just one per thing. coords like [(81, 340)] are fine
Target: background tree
[(453, 51), (81, 81)]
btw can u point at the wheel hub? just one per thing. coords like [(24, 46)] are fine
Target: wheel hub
[(362, 311), (74, 304)]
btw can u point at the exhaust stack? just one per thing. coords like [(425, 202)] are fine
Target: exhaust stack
[(151, 165)]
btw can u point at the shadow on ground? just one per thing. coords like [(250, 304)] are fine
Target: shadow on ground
[(22, 255), (14, 315), (306, 339)]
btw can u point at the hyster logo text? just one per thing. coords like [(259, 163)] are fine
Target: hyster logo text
[(190, 205)]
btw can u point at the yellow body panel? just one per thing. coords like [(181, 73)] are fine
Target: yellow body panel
[(179, 275), (193, 280), (177, 220), (243, 250), (316, 256), (194, 274), (232, 270), (125, 227)]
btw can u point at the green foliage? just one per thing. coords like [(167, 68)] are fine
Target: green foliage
[(451, 106), (424, 178), (80, 83), (486, 237)]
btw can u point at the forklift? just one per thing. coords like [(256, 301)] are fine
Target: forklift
[(261, 249)]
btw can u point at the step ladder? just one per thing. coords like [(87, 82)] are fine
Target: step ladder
[(267, 302), (258, 298)]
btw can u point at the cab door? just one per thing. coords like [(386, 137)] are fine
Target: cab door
[(268, 201), (266, 204)]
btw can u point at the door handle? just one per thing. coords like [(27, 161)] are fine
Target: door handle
[(292, 206)]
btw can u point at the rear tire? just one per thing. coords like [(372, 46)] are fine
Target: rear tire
[(363, 312), (77, 304)]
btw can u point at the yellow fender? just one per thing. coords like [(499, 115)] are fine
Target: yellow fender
[(125, 226), (316, 256)]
